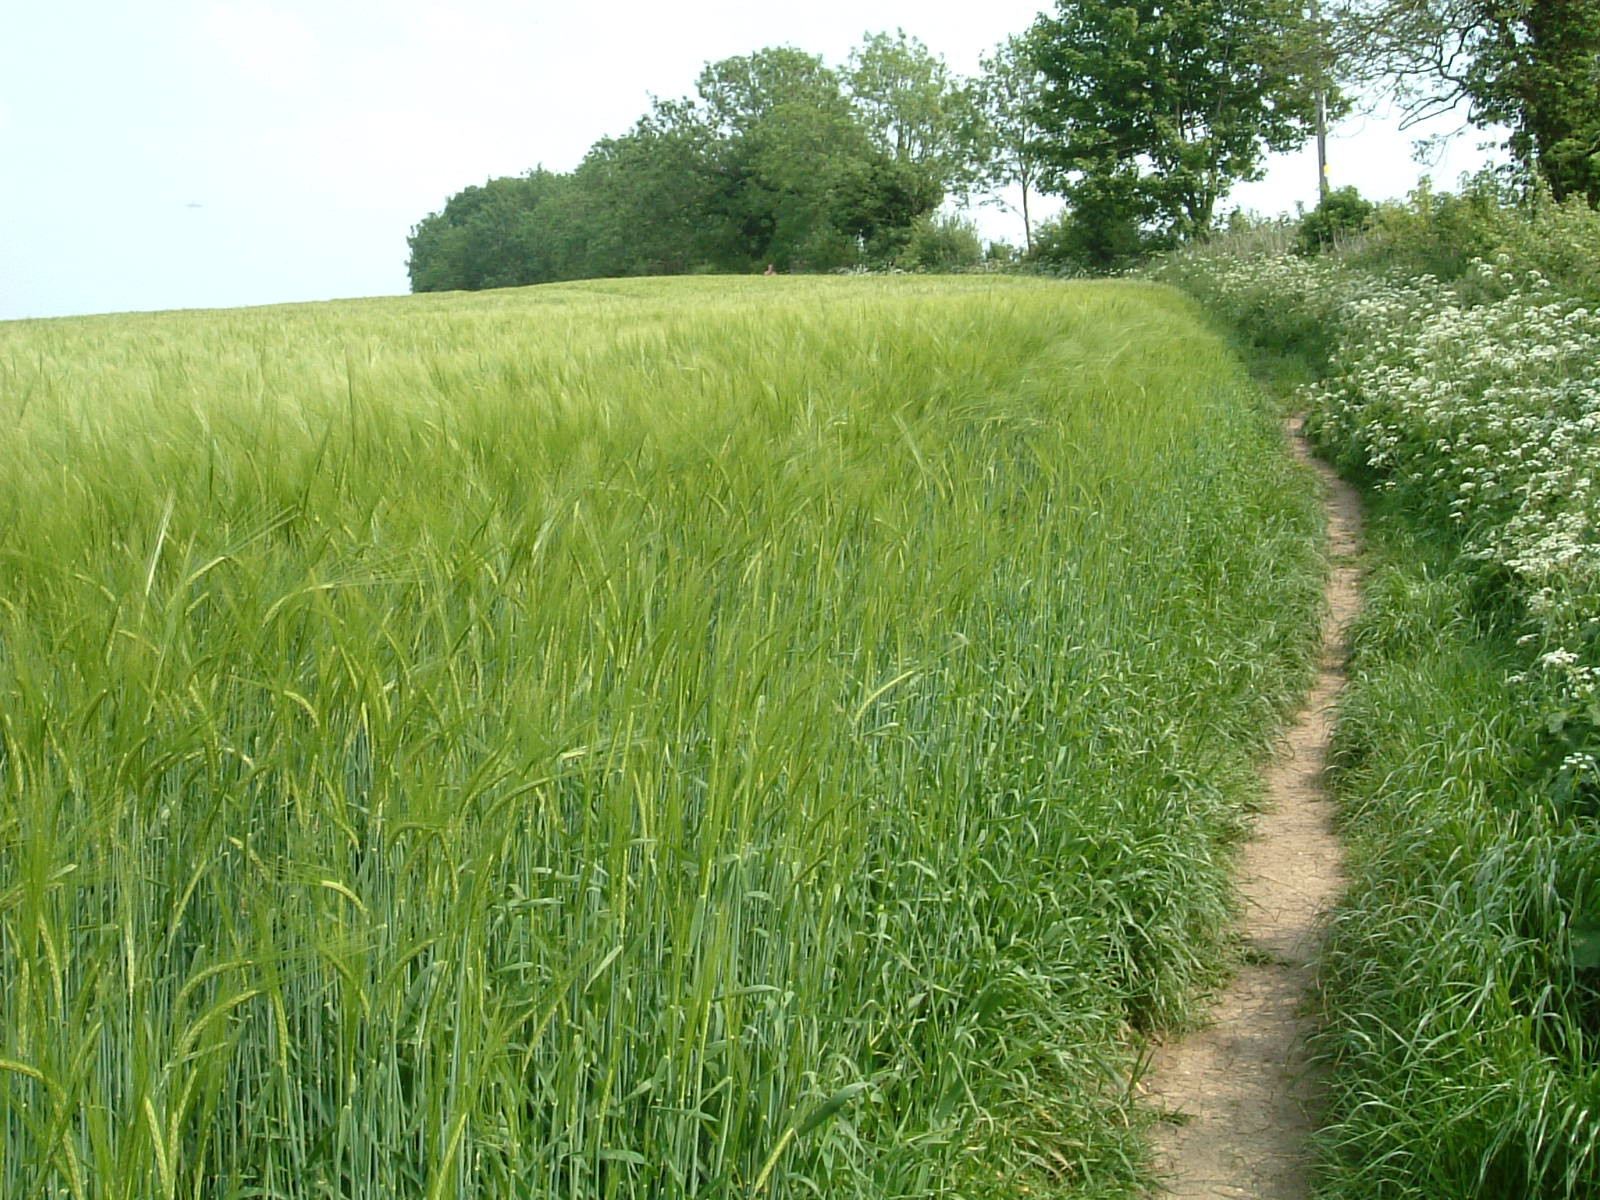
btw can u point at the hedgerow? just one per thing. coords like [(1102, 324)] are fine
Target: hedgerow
[(1458, 348)]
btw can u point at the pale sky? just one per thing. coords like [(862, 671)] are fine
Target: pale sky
[(199, 154)]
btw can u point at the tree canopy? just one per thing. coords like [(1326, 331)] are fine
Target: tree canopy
[(1141, 114), (496, 235), (1009, 96), (917, 111), (1151, 110), (776, 158), (1530, 65)]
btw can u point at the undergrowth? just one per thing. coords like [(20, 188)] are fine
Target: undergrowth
[(1457, 345)]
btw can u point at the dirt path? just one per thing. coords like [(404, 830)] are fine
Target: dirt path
[(1241, 1099)]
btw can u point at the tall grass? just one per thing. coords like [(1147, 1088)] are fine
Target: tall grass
[(1462, 980), (707, 738)]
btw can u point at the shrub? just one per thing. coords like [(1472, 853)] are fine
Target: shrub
[(1561, 242), (1097, 236), (1280, 302), (1001, 254), (1342, 213), (942, 244), (1439, 233)]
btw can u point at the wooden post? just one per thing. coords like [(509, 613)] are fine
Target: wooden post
[(1322, 103)]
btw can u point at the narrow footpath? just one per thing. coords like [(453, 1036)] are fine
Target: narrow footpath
[(1240, 1099)]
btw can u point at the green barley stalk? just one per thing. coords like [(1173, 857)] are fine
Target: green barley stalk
[(695, 738)]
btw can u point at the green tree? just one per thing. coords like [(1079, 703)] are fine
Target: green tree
[(1009, 94), (770, 160), (942, 244), (1341, 213), (496, 235), (645, 195), (1169, 103), (1532, 66), (785, 138), (1105, 228), (737, 94), (795, 175), (916, 110)]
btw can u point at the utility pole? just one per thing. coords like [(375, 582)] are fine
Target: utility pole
[(1322, 102)]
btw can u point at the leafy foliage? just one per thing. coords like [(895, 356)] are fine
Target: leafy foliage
[(1010, 91), (1153, 110), (942, 244), (497, 235), (916, 110), (1104, 228), (1534, 67), (1340, 213), (776, 159)]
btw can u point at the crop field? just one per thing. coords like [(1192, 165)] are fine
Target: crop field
[(702, 738)]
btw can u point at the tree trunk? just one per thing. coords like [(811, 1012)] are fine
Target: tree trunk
[(1027, 225)]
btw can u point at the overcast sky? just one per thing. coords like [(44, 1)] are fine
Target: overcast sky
[(195, 153)]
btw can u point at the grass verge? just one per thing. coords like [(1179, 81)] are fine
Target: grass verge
[(1457, 347), (1459, 986)]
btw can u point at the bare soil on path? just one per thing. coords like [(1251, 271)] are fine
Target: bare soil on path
[(1239, 1097)]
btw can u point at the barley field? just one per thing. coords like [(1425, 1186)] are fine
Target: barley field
[(712, 737)]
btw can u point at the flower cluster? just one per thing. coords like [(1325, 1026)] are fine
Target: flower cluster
[(1489, 416), (1283, 301), (1485, 416)]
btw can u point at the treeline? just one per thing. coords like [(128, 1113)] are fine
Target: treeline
[(1140, 115), (777, 158)]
